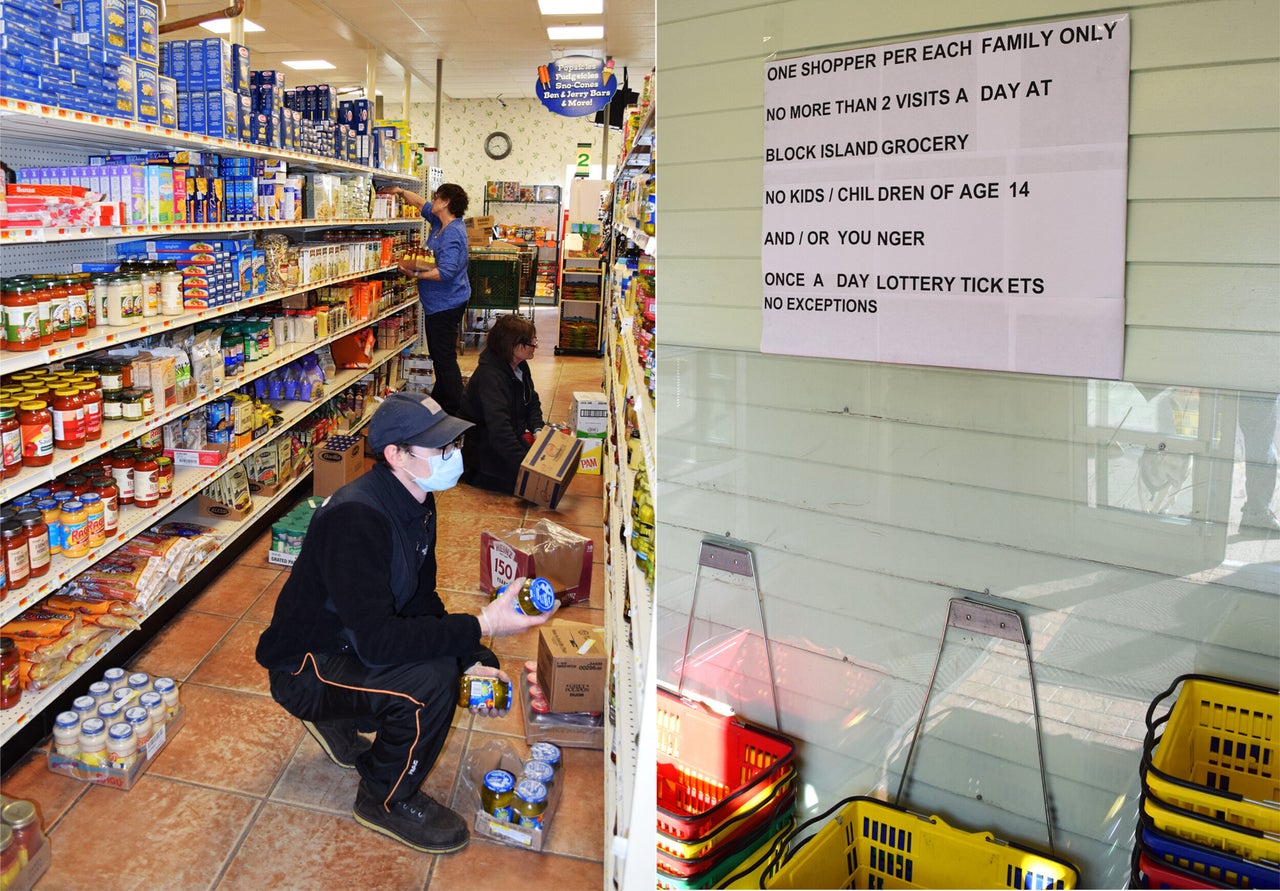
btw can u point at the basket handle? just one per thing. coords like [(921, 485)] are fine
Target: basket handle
[(993, 621), (1151, 709), (738, 560)]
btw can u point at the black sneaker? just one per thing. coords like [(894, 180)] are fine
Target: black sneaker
[(339, 740), (419, 821)]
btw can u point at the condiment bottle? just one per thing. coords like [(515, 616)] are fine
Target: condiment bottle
[(122, 746), (78, 307), (146, 490), (139, 719), (530, 803), (75, 529), (17, 560), (171, 293), (153, 702), (21, 317), (68, 420), (23, 820), (168, 690), (37, 433), (139, 682), (66, 734), (10, 437), (164, 476), (475, 691), (497, 793), (93, 742), (10, 683)]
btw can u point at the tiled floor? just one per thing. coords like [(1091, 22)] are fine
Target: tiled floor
[(243, 798)]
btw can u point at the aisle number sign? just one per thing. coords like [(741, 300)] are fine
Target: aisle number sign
[(956, 201), (575, 86), (582, 164)]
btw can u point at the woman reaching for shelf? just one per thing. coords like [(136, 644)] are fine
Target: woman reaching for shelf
[(444, 289)]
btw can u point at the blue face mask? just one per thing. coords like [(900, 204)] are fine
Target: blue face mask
[(444, 473)]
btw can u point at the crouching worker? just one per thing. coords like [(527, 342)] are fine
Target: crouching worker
[(361, 641)]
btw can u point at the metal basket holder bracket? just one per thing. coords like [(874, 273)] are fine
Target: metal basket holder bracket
[(996, 622)]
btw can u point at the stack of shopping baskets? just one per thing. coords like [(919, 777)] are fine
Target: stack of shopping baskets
[(1210, 811), (726, 789)]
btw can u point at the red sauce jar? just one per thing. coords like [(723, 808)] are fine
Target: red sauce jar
[(78, 306), (21, 317), (59, 308), (25, 823), (146, 488), (105, 488), (122, 472), (36, 422), (10, 684), (17, 562), (44, 311), (11, 437), (37, 541), (68, 420), (91, 396)]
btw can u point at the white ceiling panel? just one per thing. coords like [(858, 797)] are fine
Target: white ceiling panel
[(488, 47)]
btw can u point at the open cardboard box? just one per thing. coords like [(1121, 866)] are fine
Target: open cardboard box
[(501, 754)]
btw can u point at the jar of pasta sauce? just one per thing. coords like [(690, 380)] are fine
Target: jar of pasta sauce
[(11, 437), (146, 489), (36, 422), (122, 472), (92, 400), (37, 541), (105, 488), (68, 420)]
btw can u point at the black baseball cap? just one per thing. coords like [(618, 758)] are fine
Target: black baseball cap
[(414, 419)]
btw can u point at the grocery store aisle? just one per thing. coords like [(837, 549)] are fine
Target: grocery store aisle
[(243, 798)]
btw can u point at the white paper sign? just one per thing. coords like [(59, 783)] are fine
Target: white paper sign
[(955, 201)]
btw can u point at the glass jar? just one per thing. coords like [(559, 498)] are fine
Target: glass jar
[(66, 734), (146, 491), (52, 512), (112, 405), (93, 742), (539, 771), (132, 405), (10, 682), (98, 300), (77, 307), (68, 420), (530, 803), (94, 518), (153, 702), (475, 691), (122, 746), (10, 437), (150, 284), (164, 476), (139, 719), (75, 530), (59, 309), (10, 862), (133, 299), (122, 472), (101, 692), (117, 679), (111, 373), (105, 488), (84, 706), (546, 752), (21, 817), (497, 793), (21, 317), (139, 682), (168, 690), (535, 597), (17, 560), (171, 293), (36, 422), (91, 398), (37, 541)]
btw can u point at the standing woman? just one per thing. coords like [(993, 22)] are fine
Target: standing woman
[(444, 290)]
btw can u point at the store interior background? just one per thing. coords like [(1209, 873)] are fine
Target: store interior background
[(871, 494)]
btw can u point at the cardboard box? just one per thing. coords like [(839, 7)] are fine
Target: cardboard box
[(546, 549), (500, 754), (549, 466), (571, 660), (338, 461), (486, 222), (590, 413)]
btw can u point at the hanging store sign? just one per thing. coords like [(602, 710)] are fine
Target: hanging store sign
[(574, 86), (956, 201), (582, 161)]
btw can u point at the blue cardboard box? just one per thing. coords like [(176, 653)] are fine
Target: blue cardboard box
[(177, 64), (244, 117), (147, 105), (222, 114), (106, 20), (167, 96), (216, 68), (147, 32), (240, 68), (126, 103)]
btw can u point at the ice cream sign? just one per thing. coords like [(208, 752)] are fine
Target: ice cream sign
[(576, 85)]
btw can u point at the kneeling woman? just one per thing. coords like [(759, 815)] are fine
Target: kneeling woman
[(501, 400)]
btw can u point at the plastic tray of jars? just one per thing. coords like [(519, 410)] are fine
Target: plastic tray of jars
[(515, 799), (114, 747)]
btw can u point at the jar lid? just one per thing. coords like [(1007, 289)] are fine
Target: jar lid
[(90, 498), (82, 703), (136, 715), (120, 731), (66, 719), (30, 517), (542, 595), (164, 685), (151, 699), (531, 791), (93, 726), (72, 505), (112, 674), (66, 392), (98, 688), (499, 781), (34, 405), (19, 814), (139, 679), (545, 752), (540, 771)]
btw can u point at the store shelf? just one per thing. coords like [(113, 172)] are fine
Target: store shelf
[(33, 121), (646, 420), (105, 336), (47, 235), (117, 433), (647, 243)]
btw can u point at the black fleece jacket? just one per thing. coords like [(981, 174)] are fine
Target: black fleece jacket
[(365, 583), (503, 407)]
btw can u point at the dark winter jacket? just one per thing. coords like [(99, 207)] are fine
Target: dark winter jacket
[(503, 407), (365, 583)]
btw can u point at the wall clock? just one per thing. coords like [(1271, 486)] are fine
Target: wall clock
[(497, 145)]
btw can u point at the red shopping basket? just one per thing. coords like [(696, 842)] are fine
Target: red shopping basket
[(1154, 874), (711, 767), (680, 858)]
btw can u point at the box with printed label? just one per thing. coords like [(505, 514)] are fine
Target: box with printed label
[(240, 68), (546, 549), (548, 467), (126, 100), (146, 34), (106, 20), (337, 462), (177, 64), (571, 658), (221, 114), (590, 412), (167, 96), (215, 69), (147, 106), (591, 462)]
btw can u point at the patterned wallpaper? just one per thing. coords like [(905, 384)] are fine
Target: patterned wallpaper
[(542, 143)]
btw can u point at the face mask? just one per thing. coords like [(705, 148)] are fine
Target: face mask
[(444, 474)]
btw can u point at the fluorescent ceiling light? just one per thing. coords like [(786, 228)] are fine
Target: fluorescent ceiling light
[(309, 65), (571, 7), (223, 26), (576, 32)]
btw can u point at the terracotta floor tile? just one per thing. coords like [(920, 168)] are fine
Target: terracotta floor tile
[(255, 554), (235, 590), (579, 820), (189, 835), (231, 740), (264, 607), (459, 872), (463, 530), (291, 848), (311, 780), (53, 793), (466, 499), (458, 568), (231, 664), (587, 484), (572, 510), (521, 646), (180, 647)]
